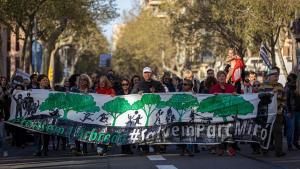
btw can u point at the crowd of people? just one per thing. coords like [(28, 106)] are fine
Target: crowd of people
[(287, 119)]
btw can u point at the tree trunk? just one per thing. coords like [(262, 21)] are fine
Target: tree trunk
[(28, 59), (273, 56), (50, 43), (76, 58), (24, 52), (27, 50), (282, 64), (294, 56), (177, 73)]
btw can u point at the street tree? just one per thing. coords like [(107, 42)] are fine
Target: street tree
[(20, 14), (83, 53), (268, 19), (217, 22), (69, 101), (52, 19), (181, 103), (223, 105), (140, 43), (116, 107)]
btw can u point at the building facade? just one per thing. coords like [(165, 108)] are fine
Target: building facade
[(11, 50)]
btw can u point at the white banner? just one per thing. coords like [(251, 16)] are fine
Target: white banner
[(138, 110)]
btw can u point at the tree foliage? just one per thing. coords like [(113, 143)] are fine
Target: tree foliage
[(84, 49), (68, 102), (241, 24), (225, 105), (267, 19), (52, 18), (210, 23), (116, 107), (141, 43)]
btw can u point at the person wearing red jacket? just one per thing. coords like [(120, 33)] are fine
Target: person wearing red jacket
[(223, 87), (105, 87)]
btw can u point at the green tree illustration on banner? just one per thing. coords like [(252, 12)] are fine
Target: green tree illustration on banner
[(148, 103), (225, 105), (116, 107), (68, 102), (181, 103)]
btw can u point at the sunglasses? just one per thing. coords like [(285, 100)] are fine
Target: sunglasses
[(125, 84), (186, 84)]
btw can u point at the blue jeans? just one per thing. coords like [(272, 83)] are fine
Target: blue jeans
[(290, 128), (2, 137)]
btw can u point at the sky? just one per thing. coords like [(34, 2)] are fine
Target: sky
[(122, 5)]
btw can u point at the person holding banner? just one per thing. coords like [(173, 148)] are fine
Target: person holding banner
[(210, 81), (42, 139), (104, 87), (223, 87), (272, 85), (33, 82), (125, 149), (147, 85), (186, 148), (188, 74), (5, 95), (134, 80), (84, 85), (4, 102), (3, 148)]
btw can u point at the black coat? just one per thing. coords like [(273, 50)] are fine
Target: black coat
[(144, 86)]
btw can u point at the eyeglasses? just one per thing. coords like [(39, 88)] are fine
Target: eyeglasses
[(125, 84)]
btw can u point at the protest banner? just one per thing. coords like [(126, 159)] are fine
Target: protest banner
[(164, 118)]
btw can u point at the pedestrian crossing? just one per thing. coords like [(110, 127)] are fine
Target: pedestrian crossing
[(160, 158), (166, 167), (156, 158)]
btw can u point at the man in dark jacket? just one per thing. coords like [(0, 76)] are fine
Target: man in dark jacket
[(148, 85), (292, 112)]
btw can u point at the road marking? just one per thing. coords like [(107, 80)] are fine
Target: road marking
[(286, 161), (156, 157), (166, 167)]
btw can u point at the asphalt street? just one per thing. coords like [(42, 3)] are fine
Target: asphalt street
[(22, 158)]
